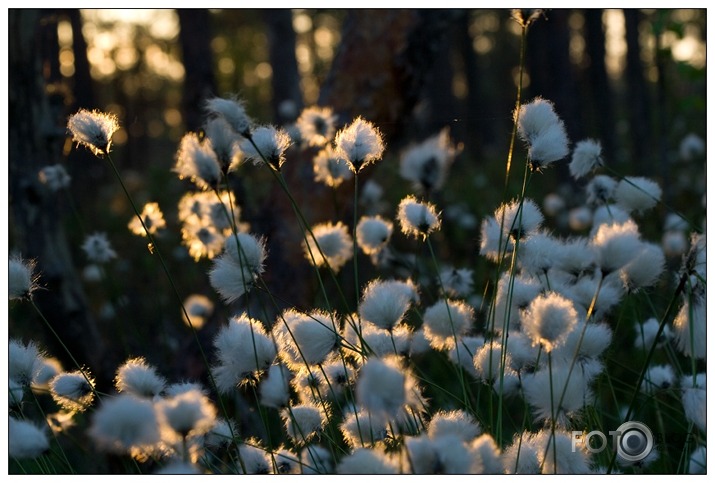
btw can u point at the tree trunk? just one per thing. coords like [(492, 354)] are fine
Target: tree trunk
[(199, 81), (597, 78), (35, 140), (637, 90), (287, 97), (384, 60)]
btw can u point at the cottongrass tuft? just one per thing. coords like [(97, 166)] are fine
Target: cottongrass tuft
[(694, 399), (549, 319), (330, 169), (140, 379), (275, 387), (360, 144), (417, 219), (316, 125), (305, 338), (199, 309), (541, 129), (267, 145), (73, 391), (232, 111), (23, 361), (373, 234), (185, 415), (385, 303), (445, 321), (456, 422), (98, 248), (224, 143), (457, 282), (55, 177), (518, 219), (427, 163), (637, 194), (538, 387), (303, 422), (25, 439), (153, 220), (334, 245), (253, 458), (585, 158), (93, 129), (689, 328), (21, 280), (366, 461), (243, 349), (124, 423), (197, 161), (361, 428), (381, 386)]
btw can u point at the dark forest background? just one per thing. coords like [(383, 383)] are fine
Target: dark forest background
[(634, 79)]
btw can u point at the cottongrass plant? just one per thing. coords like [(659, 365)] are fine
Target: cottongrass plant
[(436, 365)]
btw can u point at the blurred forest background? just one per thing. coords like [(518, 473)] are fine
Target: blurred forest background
[(634, 79)]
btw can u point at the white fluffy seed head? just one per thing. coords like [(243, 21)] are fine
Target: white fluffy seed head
[(427, 163), (361, 428), (187, 414), (124, 422), (98, 248), (305, 339), (548, 320), (153, 220), (275, 388), (334, 245), (600, 190), (268, 145), (644, 270), (616, 244), (417, 219), (457, 282), (55, 177), (232, 111), (316, 125), (21, 281), (330, 169), (463, 353), (445, 321), (381, 386), (303, 422), (248, 251), (199, 308), (230, 279), (385, 303), (456, 422), (224, 142), (694, 400), (93, 129), (573, 395), (366, 461), (23, 361), (636, 194), (585, 158), (72, 391), (488, 362), (138, 378), (243, 349), (541, 129), (360, 144), (646, 333), (197, 161), (519, 220), (658, 378), (26, 440), (373, 234), (689, 328)]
